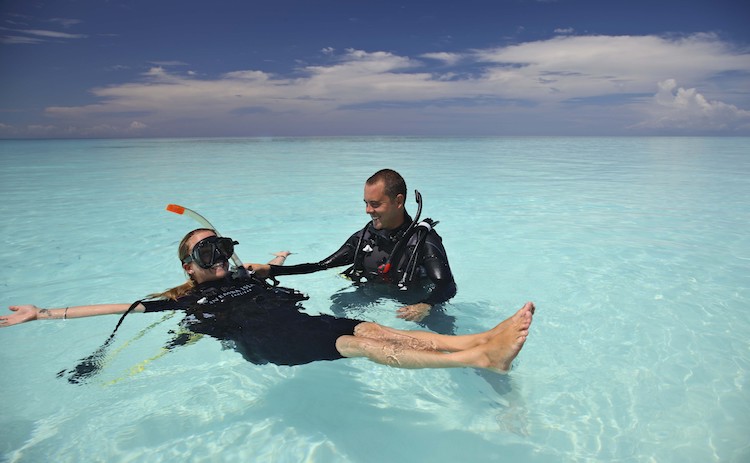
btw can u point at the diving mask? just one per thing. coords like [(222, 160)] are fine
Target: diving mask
[(210, 251)]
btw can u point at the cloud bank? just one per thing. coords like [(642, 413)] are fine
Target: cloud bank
[(579, 85), (686, 109)]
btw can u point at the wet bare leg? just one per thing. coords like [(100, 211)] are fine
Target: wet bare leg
[(425, 340), (494, 352), (506, 341), (404, 338)]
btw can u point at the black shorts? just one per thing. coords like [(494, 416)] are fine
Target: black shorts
[(285, 337)]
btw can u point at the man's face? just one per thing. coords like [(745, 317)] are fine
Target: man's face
[(386, 213)]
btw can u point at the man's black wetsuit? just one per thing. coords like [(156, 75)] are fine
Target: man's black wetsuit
[(264, 322), (374, 249)]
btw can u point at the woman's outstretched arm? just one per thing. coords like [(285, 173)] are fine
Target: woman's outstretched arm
[(264, 270), (27, 313), (279, 259)]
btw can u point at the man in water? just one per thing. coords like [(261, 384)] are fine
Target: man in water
[(392, 248)]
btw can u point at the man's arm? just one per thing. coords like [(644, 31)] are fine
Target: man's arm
[(436, 266), (439, 272), (344, 256)]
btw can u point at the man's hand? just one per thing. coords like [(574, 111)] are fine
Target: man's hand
[(414, 312)]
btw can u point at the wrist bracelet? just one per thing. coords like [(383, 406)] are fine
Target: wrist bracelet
[(65, 313)]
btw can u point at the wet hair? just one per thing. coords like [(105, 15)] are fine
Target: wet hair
[(182, 252), (394, 183)]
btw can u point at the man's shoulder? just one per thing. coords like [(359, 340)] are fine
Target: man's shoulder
[(434, 236), (434, 240), (433, 231)]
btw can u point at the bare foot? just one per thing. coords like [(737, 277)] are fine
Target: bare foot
[(508, 338), (523, 313)]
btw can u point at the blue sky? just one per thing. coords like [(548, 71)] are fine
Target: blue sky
[(168, 68)]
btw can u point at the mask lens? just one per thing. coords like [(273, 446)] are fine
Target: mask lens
[(205, 254), (211, 250), (225, 246)]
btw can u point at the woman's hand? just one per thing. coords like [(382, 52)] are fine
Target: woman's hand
[(261, 270), (21, 314)]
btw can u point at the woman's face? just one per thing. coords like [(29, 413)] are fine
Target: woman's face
[(198, 274)]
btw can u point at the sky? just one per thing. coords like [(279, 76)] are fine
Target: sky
[(234, 68)]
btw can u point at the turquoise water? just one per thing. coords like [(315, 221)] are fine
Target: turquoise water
[(635, 250)]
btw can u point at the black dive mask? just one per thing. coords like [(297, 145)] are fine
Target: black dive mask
[(210, 251)]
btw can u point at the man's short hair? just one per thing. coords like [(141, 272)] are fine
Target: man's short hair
[(394, 183)]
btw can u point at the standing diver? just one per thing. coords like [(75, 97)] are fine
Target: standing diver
[(392, 248)]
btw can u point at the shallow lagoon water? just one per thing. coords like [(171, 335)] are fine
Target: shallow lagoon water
[(635, 251)]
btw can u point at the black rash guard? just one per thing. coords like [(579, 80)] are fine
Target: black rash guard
[(376, 247), (264, 322)]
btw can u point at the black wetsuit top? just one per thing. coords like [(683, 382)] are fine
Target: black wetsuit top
[(375, 248), (264, 322)]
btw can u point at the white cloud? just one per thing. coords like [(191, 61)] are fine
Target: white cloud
[(447, 58), (66, 22), (53, 34), (8, 130), (16, 40), (51, 130), (537, 81), (34, 36), (575, 67), (687, 110)]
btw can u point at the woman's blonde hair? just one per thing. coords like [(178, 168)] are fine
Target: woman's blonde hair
[(182, 252)]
